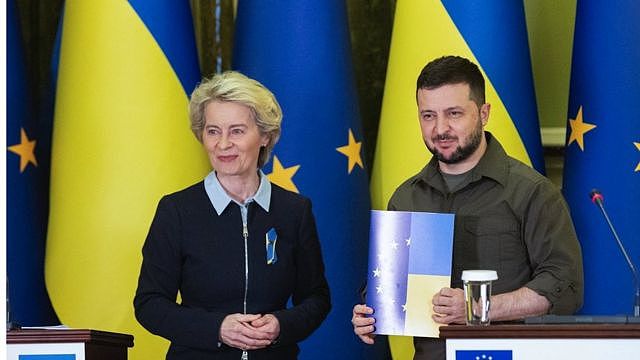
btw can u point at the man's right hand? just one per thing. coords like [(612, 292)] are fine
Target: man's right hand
[(363, 325)]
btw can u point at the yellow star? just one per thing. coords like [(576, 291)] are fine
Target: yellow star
[(352, 151), (578, 129), (25, 150), (637, 147), (282, 176)]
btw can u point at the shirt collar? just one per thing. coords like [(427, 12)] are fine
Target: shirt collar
[(220, 199), (493, 164)]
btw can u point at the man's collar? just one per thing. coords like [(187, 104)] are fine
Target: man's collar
[(492, 164)]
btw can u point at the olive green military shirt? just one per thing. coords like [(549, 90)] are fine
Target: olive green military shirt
[(509, 218)]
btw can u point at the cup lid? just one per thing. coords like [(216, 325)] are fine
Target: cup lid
[(479, 275)]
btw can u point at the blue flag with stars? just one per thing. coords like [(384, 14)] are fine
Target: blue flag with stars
[(300, 50), (484, 355), (603, 148), (28, 154)]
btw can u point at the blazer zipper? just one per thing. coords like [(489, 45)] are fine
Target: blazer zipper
[(245, 235)]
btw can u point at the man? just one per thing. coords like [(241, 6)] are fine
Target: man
[(509, 218)]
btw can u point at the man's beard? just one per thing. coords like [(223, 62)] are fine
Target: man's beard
[(462, 152)]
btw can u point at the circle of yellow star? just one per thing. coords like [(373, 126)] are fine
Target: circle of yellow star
[(25, 149), (352, 151), (282, 176), (578, 129)]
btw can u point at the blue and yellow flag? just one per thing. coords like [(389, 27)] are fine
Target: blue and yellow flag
[(409, 255), (603, 149), (300, 50), (121, 140), (490, 33), (28, 153)]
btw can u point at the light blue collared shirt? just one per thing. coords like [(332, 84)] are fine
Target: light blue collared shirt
[(220, 199)]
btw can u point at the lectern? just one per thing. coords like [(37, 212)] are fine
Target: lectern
[(67, 344), (549, 342)]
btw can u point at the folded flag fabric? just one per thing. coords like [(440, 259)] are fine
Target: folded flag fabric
[(121, 141), (603, 149)]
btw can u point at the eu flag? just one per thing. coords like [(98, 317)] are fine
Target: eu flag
[(48, 357), (484, 354), (300, 50), (27, 190), (603, 148)]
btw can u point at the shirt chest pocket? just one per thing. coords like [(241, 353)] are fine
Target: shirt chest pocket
[(491, 225), (488, 242)]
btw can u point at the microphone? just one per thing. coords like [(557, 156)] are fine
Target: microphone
[(598, 199)]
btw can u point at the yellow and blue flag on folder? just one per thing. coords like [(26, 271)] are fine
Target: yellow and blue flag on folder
[(28, 147), (603, 149), (493, 35), (300, 50), (121, 140), (409, 255)]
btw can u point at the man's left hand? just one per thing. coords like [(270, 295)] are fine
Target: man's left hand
[(448, 306)]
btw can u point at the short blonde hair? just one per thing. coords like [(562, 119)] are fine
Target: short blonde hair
[(235, 87)]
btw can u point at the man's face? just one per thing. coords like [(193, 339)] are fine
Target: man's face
[(451, 123)]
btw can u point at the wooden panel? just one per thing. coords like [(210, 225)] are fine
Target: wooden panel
[(32, 336), (104, 352)]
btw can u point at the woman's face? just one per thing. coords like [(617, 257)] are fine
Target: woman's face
[(232, 139)]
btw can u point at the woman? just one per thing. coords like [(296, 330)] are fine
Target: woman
[(234, 245)]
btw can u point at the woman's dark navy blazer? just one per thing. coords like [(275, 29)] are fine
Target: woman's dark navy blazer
[(193, 251)]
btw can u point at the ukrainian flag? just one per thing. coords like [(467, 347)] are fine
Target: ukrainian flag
[(490, 33), (121, 140), (300, 50), (603, 149)]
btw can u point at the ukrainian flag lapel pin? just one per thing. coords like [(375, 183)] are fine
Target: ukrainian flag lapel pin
[(271, 238)]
